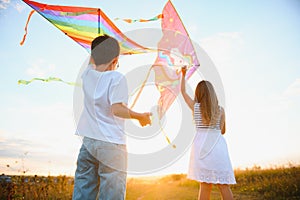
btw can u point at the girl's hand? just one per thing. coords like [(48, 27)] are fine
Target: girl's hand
[(183, 71)]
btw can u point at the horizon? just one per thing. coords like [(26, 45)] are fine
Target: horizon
[(157, 176)]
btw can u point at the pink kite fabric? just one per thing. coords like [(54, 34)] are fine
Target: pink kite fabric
[(175, 50)]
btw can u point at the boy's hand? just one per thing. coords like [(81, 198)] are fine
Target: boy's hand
[(144, 119), (183, 70)]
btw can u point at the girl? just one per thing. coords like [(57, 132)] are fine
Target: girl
[(209, 162)]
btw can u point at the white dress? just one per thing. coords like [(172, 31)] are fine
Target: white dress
[(209, 160)]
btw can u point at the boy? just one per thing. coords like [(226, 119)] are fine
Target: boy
[(102, 160)]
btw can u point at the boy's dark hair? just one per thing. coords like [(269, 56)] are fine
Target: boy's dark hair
[(104, 49)]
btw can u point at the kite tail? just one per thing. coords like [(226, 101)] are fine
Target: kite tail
[(24, 82), (141, 89), (165, 134), (158, 17), (24, 37)]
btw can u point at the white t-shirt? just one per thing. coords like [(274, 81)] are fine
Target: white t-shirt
[(101, 91)]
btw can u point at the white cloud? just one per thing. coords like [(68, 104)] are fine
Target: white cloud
[(52, 120), (40, 68), (4, 4), (19, 7), (293, 89), (222, 47), (2, 139)]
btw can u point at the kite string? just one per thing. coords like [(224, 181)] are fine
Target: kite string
[(159, 120), (26, 26), (165, 134), (141, 88)]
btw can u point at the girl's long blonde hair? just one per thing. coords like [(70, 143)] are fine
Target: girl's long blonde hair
[(205, 95)]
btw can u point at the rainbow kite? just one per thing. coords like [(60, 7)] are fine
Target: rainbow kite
[(83, 25)]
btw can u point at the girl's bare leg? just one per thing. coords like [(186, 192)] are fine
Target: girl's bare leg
[(204, 191), (225, 192)]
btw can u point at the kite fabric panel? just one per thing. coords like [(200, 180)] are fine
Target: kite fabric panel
[(83, 24), (175, 50)]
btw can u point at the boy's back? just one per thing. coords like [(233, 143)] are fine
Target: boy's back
[(101, 90)]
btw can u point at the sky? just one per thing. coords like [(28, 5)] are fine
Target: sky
[(254, 46)]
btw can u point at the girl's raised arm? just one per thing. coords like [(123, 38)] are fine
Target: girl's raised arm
[(189, 101)]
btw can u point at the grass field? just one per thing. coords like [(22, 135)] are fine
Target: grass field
[(252, 184)]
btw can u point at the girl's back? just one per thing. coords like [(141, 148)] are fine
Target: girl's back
[(215, 122)]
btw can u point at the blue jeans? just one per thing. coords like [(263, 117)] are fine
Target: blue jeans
[(101, 171)]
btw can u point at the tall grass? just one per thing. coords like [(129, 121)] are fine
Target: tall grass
[(37, 187), (252, 184), (279, 183)]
